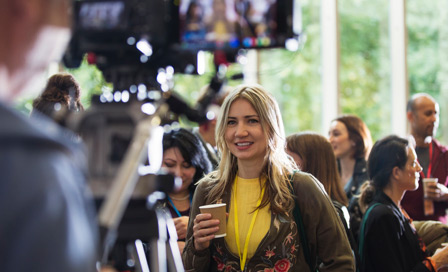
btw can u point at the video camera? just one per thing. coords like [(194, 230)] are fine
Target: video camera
[(130, 40)]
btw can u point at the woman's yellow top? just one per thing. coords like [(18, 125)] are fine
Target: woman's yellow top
[(248, 193)]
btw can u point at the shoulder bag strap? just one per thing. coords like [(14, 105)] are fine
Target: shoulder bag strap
[(300, 226), (361, 232)]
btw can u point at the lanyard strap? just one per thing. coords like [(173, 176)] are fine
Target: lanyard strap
[(251, 227), (174, 207), (428, 173), (430, 161)]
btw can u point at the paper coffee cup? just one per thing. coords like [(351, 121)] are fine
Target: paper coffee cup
[(428, 182), (218, 211), (428, 204)]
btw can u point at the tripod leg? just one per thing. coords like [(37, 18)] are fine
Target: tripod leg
[(164, 251), (173, 253), (158, 248), (141, 263)]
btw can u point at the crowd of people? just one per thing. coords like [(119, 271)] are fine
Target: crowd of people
[(305, 202)]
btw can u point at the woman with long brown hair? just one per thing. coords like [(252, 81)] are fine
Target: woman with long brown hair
[(351, 142), (313, 154)]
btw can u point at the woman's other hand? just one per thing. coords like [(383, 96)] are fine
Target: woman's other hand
[(181, 224)]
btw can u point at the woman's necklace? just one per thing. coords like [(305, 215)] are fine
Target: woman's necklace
[(180, 198)]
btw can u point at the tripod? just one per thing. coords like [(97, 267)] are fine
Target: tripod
[(162, 246), (146, 238), (165, 254)]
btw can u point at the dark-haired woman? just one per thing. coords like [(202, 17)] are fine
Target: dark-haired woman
[(185, 157), (62, 93), (389, 240)]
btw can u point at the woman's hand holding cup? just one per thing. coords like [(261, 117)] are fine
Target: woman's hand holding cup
[(210, 223), (204, 230)]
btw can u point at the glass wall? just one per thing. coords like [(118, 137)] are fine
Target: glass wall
[(364, 68), (295, 80)]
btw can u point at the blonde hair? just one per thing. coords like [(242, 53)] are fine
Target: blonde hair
[(277, 165)]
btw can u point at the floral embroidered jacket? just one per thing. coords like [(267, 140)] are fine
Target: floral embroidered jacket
[(281, 248)]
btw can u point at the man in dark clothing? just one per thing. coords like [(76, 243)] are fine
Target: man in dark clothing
[(48, 223), (423, 116)]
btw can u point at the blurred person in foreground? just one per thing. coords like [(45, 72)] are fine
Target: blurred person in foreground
[(388, 238), (47, 222), (255, 178), (423, 117)]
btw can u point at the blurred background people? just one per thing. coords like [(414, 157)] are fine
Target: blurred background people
[(220, 28), (254, 179), (194, 23), (48, 222), (206, 130), (183, 156), (61, 94), (310, 152), (389, 241), (313, 154), (244, 27), (351, 142), (423, 117)]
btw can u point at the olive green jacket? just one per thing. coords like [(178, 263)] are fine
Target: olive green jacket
[(281, 248)]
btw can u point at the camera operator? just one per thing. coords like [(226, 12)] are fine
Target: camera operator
[(47, 222), (206, 129)]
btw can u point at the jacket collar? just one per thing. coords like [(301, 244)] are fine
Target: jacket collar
[(438, 147), (382, 198), (360, 166)]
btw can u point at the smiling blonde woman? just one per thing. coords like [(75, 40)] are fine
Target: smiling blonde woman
[(253, 179)]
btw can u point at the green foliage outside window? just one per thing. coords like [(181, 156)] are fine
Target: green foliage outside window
[(364, 74)]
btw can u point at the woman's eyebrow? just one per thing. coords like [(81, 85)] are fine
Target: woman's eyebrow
[(246, 116)]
